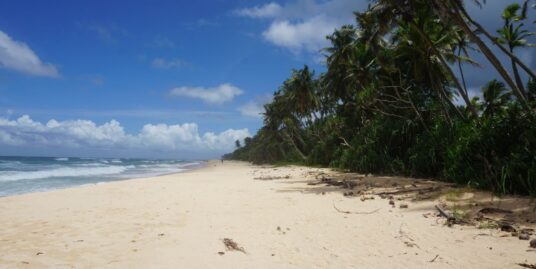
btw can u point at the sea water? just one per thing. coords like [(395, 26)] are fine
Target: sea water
[(32, 174)]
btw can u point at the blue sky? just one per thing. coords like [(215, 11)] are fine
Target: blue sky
[(174, 79)]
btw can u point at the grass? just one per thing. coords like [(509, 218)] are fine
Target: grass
[(456, 193), (488, 225), (460, 213)]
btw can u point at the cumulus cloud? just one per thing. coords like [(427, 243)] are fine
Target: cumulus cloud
[(302, 25), (162, 63), (255, 108), (217, 95), (85, 134), (251, 109), (16, 55), (309, 34), (269, 10)]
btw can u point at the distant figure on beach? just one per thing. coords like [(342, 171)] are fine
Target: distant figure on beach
[(221, 160)]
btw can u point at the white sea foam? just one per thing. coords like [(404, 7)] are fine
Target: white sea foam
[(61, 172), (62, 159)]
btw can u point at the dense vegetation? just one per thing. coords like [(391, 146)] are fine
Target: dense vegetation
[(386, 104)]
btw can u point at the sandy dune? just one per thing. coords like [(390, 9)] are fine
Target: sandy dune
[(180, 221)]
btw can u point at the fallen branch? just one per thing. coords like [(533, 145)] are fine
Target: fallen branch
[(433, 260), (446, 214), (526, 265), (354, 212), (271, 178), (493, 210), (451, 219), (433, 188)]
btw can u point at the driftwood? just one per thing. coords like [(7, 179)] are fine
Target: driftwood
[(450, 218), (433, 260), (444, 213), (344, 183), (271, 178), (402, 191), (526, 265), (355, 212), (493, 210)]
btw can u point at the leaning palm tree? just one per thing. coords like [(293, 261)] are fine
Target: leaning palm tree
[(280, 119), (439, 39), (300, 92), (453, 11), (514, 36), (337, 58)]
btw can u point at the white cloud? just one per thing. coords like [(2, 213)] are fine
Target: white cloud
[(251, 109), (255, 108), (269, 10), (85, 134), (302, 25), (309, 34), (162, 63), (16, 55), (217, 95)]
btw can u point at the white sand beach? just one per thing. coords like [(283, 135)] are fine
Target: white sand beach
[(181, 220)]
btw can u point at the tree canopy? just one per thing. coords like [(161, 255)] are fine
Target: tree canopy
[(387, 102)]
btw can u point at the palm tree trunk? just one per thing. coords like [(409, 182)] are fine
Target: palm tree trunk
[(462, 74), (294, 144), (516, 75), (503, 49), (449, 71), (457, 17), (442, 98)]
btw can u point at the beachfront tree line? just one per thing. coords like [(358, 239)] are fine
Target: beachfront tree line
[(386, 104)]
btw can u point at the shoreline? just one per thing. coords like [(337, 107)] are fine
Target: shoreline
[(201, 165), (281, 217)]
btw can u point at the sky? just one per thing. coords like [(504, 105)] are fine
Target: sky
[(158, 79)]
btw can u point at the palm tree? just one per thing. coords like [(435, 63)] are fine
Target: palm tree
[(453, 11), (300, 92), (280, 119), (495, 40), (460, 49), (495, 96), (514, 36), (342, 43), (436, 38)]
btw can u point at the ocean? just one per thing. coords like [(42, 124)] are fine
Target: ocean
[(34, 174)]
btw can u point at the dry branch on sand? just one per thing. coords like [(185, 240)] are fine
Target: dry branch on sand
[(272, 177), (451, 218), (402, 191), (355, 212), (493, 210), (526, 265)]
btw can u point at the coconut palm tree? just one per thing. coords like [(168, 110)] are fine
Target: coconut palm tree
[(300, 91), (514, 36), (453, 11), (496, 97), (338, 55)]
